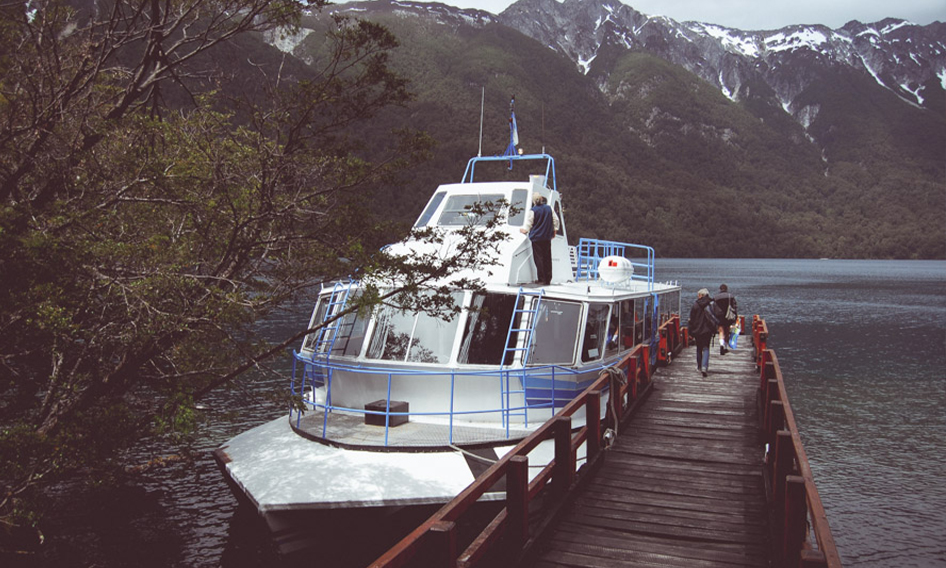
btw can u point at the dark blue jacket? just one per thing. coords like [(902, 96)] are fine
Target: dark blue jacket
[(542, 227)]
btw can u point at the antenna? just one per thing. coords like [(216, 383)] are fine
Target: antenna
[(482, 104), (543, 127)]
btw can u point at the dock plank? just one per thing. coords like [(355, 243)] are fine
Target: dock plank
[(682, 485)]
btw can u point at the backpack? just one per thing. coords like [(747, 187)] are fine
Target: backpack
[(731, 315), (711, 311)]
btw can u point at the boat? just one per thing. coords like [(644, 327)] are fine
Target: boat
[(399, 409)]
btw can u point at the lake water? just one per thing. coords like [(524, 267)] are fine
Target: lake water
[(862, 346)]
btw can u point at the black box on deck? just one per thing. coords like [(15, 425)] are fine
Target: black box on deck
[(381, 406)]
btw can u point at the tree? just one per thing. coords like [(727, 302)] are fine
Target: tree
[(140, 241)]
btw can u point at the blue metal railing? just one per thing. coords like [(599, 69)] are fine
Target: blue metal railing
[(549, 165), (545, 383), (591, 251)]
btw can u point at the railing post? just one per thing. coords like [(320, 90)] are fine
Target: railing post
[(775, 420), (564, 472), (796, 520), (517, 501), (593, 423), (633, 375), (770, 394), (442, 544), (759, 339), (676, 333), (784, 464), (766, 368), (645, 352), (663, 347)]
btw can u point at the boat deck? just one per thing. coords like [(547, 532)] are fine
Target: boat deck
[(683, 485), (350, 431)]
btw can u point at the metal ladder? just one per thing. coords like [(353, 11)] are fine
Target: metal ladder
[(329, 333), (321, 375), (527, 317)]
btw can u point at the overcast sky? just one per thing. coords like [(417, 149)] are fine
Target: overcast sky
[(767, 14)]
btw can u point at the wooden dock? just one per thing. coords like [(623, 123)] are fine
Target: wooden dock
[(705, 471), (683, 485)]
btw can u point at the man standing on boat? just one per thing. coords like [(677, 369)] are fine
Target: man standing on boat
[(726, 314), (701, 326), (541, 226)]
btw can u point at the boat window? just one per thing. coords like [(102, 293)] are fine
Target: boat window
[(663, 309), (457, 210), (613, 343), (558, 213), (519, 199), (555, 333), (596, 330), (627, 324), (351, 335), (400, 335), (648, 318), (639, 310), (318, 314), (670, 304), (487, 326), (430, 210), (348, 338)]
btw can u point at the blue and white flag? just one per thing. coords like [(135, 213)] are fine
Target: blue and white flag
[(513, 132)]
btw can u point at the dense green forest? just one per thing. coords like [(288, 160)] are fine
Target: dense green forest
[(649, 153)]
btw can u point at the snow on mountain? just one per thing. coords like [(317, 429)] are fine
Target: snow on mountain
[(900, 56)]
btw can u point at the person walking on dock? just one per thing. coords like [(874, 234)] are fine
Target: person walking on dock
[(726, 313), (702, 325), (541, 226)]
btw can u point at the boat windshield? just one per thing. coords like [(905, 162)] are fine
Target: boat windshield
[(430, 210), (556, 333), (459, 209), (400, 335), (343, 338)]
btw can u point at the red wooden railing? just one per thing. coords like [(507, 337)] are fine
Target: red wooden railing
[(435, 542), (790, 488), (791, 492)]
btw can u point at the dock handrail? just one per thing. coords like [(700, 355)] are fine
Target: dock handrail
[(790, 488), (437, 538)]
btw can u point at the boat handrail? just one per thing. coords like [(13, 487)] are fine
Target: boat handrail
[(328, 369), (592, 251), (549, 166)]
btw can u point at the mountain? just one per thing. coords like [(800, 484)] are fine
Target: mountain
[(907, 59), (697, 139), (791, 67)]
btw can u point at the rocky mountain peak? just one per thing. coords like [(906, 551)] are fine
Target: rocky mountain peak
[(905, 58)]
